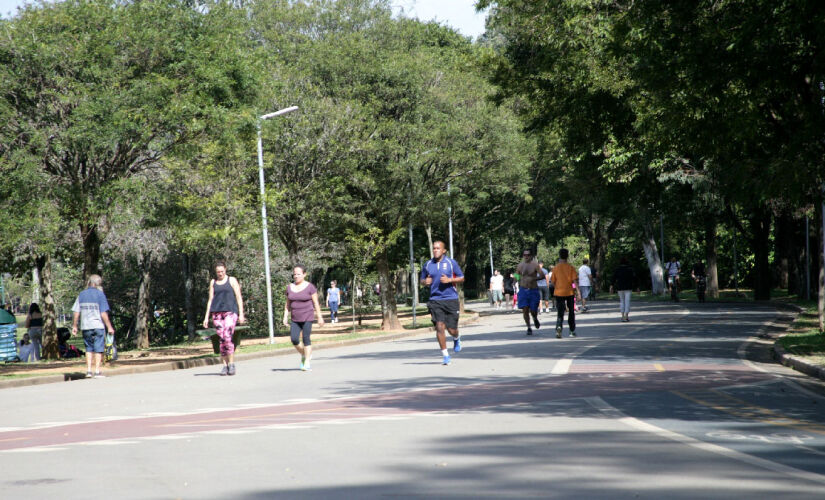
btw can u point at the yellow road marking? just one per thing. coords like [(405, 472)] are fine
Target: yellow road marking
[(740, 408), (13, 439)]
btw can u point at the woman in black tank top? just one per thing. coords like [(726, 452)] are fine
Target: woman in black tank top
[(225, 307), (34, 323)]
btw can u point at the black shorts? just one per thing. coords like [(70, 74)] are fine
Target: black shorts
[(545, 293), (444, 311)]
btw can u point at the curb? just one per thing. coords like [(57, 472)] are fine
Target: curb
[(185, 364), (793, 361)]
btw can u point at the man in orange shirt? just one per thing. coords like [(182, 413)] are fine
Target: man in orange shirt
[(563, 277)]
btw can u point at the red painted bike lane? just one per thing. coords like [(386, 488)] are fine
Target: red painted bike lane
[(582, 381)]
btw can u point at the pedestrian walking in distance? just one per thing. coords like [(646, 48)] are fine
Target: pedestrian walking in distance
[(529, 296), (624, 277), (442, 274), (301, 307), (91, 311), (564, 277), (544, 288), (333, 300), (585, 284), (225, 306), (497, 288)]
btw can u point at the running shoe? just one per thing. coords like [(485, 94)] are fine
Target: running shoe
[(89, 375), (99, 375), (558, 332), (529, 331), (305, 366), (224, 371), (456, 344), (446, 360), (231, 370), (536, 322), (572, 334)]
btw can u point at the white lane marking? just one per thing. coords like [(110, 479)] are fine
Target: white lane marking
[(230, 432), (163, 414), (11, 429), (562, 366), (300, 400), (285, 426), (255, 405), (108, 442), (168, 437), (210, 410), (603, 406), (107, 419), (37, 449)]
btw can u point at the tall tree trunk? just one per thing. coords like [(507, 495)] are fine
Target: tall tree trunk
[(461, 259), (712, 268), (91, 250), (654, 262), (782, 247), (760, 222), (598, 239), (821, 258), (430, 238), (44, 271), (144, 306), (796, 258), (189, 304), (35, 285), (389, 311)]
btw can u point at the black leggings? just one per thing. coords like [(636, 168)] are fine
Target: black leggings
[(298, 327), (563, 303)]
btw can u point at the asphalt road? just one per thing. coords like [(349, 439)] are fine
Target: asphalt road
[(682, 402)]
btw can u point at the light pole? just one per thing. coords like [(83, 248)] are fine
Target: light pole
[(450, 209), (450, 214), (263, 217), (413, 280)]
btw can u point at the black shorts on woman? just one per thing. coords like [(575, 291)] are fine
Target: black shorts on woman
[(444, 311)]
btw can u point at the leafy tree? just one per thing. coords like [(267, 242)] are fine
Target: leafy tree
[(102, 91)]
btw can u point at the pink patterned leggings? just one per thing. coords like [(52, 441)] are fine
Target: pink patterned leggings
[(225, 322)]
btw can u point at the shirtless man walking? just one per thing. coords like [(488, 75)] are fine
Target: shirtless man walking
[(528, 294)]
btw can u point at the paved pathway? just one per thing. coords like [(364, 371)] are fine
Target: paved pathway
[(681, 402)]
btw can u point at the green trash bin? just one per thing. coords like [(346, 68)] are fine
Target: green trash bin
[(8, 336)]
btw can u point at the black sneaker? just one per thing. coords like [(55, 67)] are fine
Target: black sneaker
[(558, 332), (529, 331), (536, 322)]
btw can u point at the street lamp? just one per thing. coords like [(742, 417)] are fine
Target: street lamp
[(263, 217)]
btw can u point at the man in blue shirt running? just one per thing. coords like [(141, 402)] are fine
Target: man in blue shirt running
[(441, 274)]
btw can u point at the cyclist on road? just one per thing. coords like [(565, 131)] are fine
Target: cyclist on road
[(673, 268), (700, 278)]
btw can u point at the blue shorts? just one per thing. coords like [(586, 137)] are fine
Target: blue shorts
[(529, 297), (333, 305), (95, 340)]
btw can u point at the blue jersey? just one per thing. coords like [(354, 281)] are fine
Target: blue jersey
[(447, 266)]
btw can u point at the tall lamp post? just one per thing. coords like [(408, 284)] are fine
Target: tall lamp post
[(263, 217)]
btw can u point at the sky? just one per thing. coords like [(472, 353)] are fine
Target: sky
[(460, 14)]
